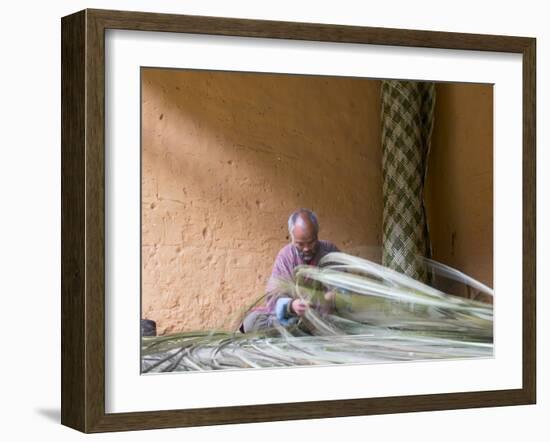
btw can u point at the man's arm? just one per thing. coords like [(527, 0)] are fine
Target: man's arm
[(287, 310), (282, 270)]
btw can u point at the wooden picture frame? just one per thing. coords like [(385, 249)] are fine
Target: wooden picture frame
[(83, 220)]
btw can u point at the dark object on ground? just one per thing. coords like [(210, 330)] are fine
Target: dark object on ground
[(148, 327)]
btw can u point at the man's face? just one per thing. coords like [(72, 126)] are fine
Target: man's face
[(305, 240)]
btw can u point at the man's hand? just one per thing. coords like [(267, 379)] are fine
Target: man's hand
[(299, 307)]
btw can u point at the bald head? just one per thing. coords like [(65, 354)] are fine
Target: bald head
[(304, 228), (304, 225), (303, 217)]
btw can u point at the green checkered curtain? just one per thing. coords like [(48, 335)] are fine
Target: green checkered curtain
[(407, 122)]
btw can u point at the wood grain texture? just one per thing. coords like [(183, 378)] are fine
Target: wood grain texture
[(83, 219), (307, 410), (306, 31), (529, 221), (73, 258), (95, 222)]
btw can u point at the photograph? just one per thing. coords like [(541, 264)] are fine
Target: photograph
[(293, 220)]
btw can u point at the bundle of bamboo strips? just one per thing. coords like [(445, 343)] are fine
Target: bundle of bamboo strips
[(380, 315)]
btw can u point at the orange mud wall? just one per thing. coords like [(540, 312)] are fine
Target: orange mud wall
[(459, 188), (226, 157)]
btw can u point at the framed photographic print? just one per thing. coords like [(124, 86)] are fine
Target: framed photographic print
[(270, 220)]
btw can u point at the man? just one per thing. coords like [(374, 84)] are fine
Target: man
[(304, 248)]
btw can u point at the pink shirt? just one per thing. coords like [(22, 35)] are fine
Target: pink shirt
[(288, 258)]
